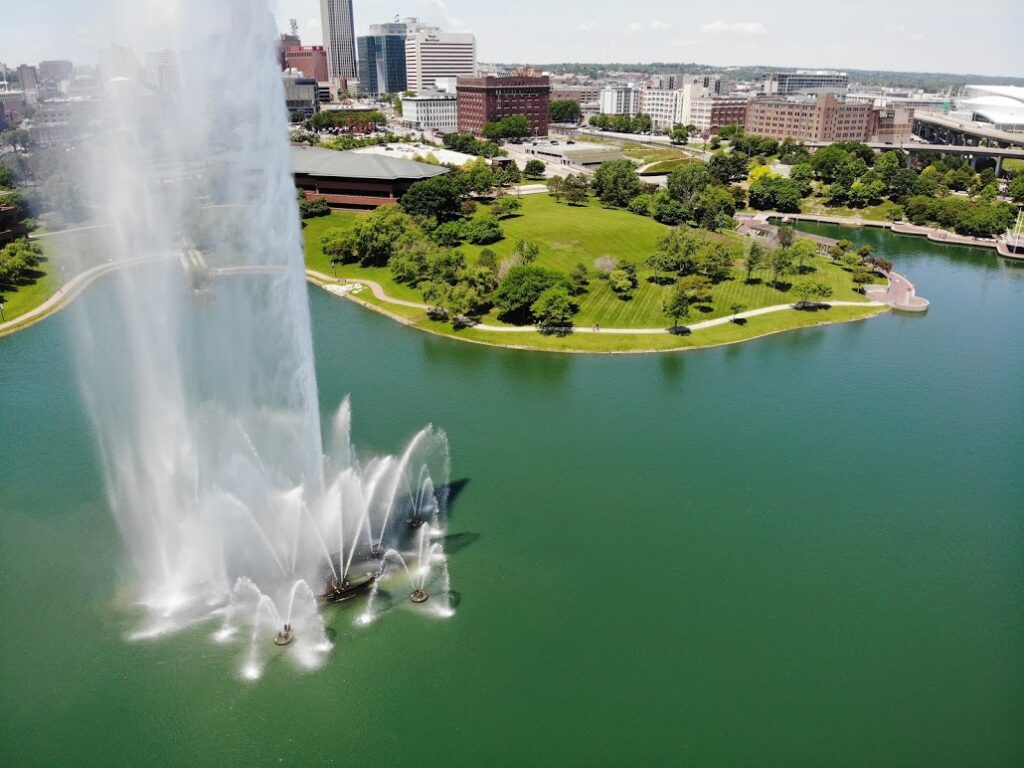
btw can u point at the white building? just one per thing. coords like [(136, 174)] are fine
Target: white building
[(623, 100), (1002, 106), (431, 111), (339, 38), (664, 107), (431, 53)]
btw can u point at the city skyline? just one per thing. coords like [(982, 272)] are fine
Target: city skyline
[(876, 37)]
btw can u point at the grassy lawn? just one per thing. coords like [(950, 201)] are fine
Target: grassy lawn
[(1012, 164), (18, 300), (665, 166), (816, 206), (604, 343), (571, 235)]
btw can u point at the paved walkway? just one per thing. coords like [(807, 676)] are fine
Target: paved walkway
[(378, 292), (70, 290)]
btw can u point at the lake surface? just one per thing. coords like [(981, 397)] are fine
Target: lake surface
[(802, 550)]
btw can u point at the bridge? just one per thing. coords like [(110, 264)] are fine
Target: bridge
[(973, 153), (937, 128)]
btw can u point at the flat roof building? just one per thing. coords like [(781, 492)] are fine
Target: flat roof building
[(431, 53), (824, 118), (431, 111), (587, 155), (806, 82), (483, 100), (310, 60)]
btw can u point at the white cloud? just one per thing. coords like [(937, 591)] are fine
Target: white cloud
[(658, 24), (917, 36), (587, 26), (635, 26), (894, 28), (748, 28), (313, 23)]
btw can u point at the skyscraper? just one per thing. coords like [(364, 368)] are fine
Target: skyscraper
[(431, 53), (339, 38), (381, 64)]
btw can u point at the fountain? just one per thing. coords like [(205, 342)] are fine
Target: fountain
[(206, 414)]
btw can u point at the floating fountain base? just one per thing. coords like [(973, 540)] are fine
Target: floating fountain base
[(339, 592), (416, 522), (419, 596), (284, 637)]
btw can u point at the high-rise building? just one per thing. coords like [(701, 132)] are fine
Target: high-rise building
[(483, 100), (310, 60), (431, 111), (381, 63), (339, 38), (806, 82), (431, 53)]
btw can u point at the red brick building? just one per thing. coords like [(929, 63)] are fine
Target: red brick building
[(310, 60), (484, 100), (728, 110), (824, 118)]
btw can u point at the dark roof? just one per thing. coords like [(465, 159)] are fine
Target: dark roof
[(317, 161)]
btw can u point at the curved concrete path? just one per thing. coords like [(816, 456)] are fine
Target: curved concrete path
[(71, 289), (378, 292)]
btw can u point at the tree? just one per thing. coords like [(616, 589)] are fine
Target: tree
[(556, 186), (616, 182), (686, 182), (698, 289), (483, 230), (713, 208), (665, 209), (554, 308), (521, 287), (513, 128), (803, 250), (736, 308), (564, 111), (785, 236), (575, 189), (780, 262), (619, 281), (662, 264), (1015, 189), (714, 260), (680, 134), (477, 176), (641, 205), (680, 246), (506, 206), (726, 167), (755, 258), (579, 279), (676, 305), (309, 209), (439, 197), (534, 169), (806, 290), (488, 259), (372, 240), (526, 252)]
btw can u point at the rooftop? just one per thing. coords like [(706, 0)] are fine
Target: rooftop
[(317, 161)]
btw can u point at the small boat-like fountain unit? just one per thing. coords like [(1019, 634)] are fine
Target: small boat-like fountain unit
[(342, 590), (285, 636)]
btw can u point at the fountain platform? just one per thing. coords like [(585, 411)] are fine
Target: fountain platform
[(339, 592)]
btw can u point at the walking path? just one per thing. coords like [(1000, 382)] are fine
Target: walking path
[(70, 290), (378, 291)]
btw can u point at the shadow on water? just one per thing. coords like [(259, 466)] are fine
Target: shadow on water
[(455, 489), (456, 542), (673, 367)]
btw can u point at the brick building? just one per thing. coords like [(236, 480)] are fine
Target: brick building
[(824, 118), (483, 100), (310, 60)]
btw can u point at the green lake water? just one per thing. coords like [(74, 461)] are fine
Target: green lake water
[(805, 550)]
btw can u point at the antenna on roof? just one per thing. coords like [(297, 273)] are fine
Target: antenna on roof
[(294, 25)]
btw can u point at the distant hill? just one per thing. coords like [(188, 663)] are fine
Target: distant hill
[(932, 81)]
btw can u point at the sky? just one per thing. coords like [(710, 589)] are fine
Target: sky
[(980, 37)]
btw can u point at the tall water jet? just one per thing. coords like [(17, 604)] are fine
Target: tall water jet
[(198, 367)]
